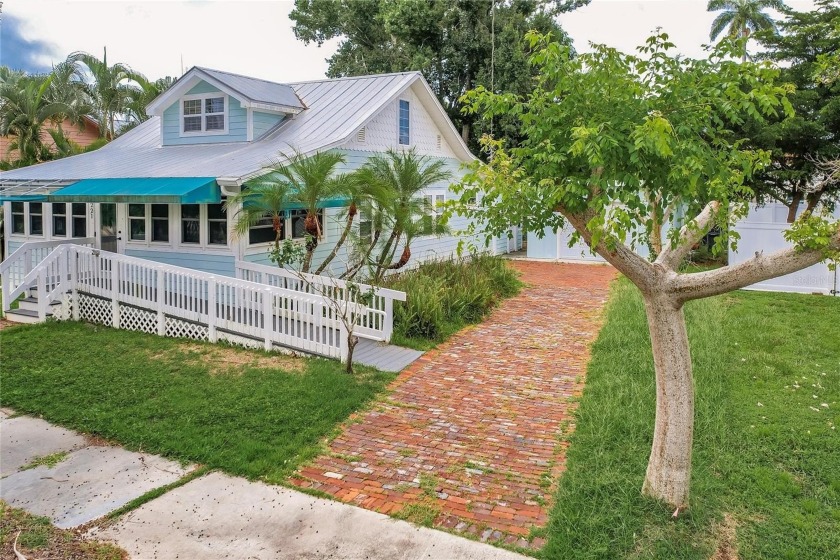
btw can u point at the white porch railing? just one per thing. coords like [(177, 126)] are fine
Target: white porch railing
[(15, 269), (137, 294), (377, 319)]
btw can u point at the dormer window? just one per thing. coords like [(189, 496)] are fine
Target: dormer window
[(203, 114)]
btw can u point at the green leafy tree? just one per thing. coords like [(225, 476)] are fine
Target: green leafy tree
[(449, 41), (606, 134), (741, 18), (395, 183), (800, 145)]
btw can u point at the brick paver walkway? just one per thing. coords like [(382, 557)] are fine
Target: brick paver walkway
[(472, 432)]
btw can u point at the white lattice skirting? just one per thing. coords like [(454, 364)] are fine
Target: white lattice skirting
[(98, 310)]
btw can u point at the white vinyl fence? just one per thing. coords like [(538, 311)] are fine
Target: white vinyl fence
[(763, 230)]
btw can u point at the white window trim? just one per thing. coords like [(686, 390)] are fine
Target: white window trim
[(203, 231), (148, 220), (203, 115), (25, 232), (410, 122), (436, 204)]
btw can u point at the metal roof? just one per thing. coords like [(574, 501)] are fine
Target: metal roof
[(261, 91), (336, 109)]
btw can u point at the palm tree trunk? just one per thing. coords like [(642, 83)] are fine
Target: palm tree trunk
[(351, 273), (351, 213)]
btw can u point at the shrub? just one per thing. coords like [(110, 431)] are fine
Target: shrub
[(445, 295)]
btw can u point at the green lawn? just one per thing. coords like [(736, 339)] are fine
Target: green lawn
[(246, 412), (767, 443)]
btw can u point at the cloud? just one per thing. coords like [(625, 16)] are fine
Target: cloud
[(20, 53)]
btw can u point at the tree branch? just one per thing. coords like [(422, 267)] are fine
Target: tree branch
[(634, 267), (686, 287), (690, 233)]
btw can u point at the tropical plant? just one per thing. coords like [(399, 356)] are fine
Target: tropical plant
[(141, 96), (310, 181), (395, 182), (25, 111), (742, 17), (109, 87), (264, 197)]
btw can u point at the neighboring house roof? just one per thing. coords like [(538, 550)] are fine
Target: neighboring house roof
[(335, 110)]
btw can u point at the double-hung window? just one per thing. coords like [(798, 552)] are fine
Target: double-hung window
[(263, 231), (143, 218), (79, 215), (59, 219), (216, 225), (204, 114), (205, 227), (404, 122), (18, 218), (36, 218), (433, 205)]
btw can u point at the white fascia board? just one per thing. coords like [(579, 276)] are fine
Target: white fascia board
[(430, 101), (185, 84), (272, 108)]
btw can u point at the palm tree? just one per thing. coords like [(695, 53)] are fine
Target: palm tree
[(109, 87), (396, 182), (743, 17), (25, 109), (265, 197), (139, 98), (313, 180)]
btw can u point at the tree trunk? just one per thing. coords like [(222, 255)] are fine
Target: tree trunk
[(352, 341), (351, 213), (351, 273), (793, 206), (669, 467)]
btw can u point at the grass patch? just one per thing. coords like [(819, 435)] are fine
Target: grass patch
[(48, 461), (766, 481), (252, 414), (37, 538), (445, 296), (419, 514)]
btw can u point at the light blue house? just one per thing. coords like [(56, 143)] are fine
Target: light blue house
[(157, 192)]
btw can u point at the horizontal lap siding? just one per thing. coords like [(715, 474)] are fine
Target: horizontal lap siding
[(237, 122), (205, 262), (263, 122)]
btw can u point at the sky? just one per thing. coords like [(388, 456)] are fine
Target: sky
[(255, 38)]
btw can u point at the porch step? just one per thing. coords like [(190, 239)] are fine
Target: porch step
[(31, 304), (26, 316)]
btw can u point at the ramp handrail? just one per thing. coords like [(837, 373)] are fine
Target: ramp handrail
[(375, 322)]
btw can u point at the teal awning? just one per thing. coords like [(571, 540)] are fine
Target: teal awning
[(23, 198), (155, 190)]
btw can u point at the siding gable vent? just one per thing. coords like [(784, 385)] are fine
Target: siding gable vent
[(361, 134), (439, 142)]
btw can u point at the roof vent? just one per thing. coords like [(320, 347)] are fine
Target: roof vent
[(360, 136)]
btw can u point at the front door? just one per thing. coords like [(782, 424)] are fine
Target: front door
[(108, 227)]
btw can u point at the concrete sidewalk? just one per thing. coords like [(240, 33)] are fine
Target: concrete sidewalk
[(212, 517)]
